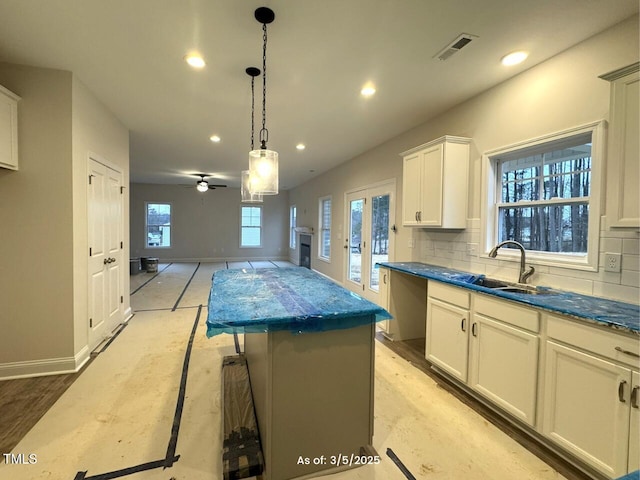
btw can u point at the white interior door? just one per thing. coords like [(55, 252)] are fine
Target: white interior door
[(369, 221), (105, 250)]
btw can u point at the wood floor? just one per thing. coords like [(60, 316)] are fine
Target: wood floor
[(413, 352), (24, 401)]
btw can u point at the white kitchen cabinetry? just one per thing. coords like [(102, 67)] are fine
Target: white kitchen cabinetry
[(634, 430), (435, 184), (504, 349), (588, 398), (623, 160), (383, 296), (406, 302), (447, 329), (8, 129)]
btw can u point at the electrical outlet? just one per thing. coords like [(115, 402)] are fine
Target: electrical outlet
[(412, 243), (612, 262)]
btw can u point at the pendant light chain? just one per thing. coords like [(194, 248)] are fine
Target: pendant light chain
[(253, 81), (264, 133)]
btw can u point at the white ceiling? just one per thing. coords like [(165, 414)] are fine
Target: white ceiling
[(130, 55)]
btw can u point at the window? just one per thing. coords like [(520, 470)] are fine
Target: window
[(545, 196), (292, 227), (325, 228), (250, 226), (158, 225)]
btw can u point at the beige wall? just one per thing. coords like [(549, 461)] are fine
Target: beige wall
[(206, 226), (560, 93), (36, 222), (95, 131), (43, 259)]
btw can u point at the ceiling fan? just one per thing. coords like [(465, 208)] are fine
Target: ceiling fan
[(202, 185)]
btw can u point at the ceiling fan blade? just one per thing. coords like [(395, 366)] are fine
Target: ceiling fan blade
[(215, 185)]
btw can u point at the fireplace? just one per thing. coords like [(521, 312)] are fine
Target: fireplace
[(305, 251)]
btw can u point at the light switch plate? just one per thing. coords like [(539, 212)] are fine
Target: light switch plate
[(612, 262)]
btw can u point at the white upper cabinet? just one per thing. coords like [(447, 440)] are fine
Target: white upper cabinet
[(435, 184), (8, 129), (623, 160)]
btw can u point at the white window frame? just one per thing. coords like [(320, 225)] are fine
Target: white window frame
[(260, 227), (322, 228), (146, 225), (490, 197), (293, 219)]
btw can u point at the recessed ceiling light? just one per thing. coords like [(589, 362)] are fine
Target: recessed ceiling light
[(368, 90), (514, 58), (301, 146), (214, 138), (195, 60)]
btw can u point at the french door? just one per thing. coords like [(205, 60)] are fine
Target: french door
[(370, 218), (105, 251)]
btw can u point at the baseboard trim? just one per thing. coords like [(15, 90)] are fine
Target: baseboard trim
[(40, 368), (223, 259)]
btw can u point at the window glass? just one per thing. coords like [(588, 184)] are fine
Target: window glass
[(250, 226), (292, 226), (158, 225), (325, 228), (544, 198)]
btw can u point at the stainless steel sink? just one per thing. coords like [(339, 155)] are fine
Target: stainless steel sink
[(494, 284)]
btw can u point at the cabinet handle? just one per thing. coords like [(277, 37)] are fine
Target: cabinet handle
[(384, 279), (416, 216), (634, 396), (627, 352), (420, 216), (621, 391), (462, 325), (473, 329)]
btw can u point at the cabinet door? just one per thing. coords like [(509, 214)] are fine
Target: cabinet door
[(430, 211), (623, 208), (447, 339), (411, 188), (8, 129), (383, 296), (634, 425), (586, 408), (504, 366)]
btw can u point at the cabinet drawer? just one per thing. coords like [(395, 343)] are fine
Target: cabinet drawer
[(507, 312), (447, 293), (593, 339)]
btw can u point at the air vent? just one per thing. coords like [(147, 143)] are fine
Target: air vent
[(461, 41)]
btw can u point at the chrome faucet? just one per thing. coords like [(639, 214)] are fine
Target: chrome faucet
[(523, 274)]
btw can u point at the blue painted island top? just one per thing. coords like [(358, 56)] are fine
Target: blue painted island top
[(611, 313), (294, 299)]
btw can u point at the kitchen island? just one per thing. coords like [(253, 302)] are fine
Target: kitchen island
[(309, 345)]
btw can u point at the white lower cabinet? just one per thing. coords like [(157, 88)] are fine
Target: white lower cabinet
[(587, 407), (446, 342), (634, 424), (504, 366)]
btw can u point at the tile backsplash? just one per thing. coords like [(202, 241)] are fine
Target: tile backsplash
[(461, 250)]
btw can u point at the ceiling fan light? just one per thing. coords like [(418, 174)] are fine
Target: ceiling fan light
[(245, 190), (263, 172), (202, 186)]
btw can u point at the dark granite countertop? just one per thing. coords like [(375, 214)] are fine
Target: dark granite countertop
[(611, 313)]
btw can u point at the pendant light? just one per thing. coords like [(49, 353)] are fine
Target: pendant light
[(263, 163), (245, 187)]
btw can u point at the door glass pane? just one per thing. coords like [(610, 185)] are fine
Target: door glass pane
[(355, 238), (379, 237)]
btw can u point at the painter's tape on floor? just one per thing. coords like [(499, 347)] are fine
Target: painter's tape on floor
[(170, 457), (400, 465)]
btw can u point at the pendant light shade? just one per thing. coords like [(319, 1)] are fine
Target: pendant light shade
[(245, 190), (263, 172), (202, 186)]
